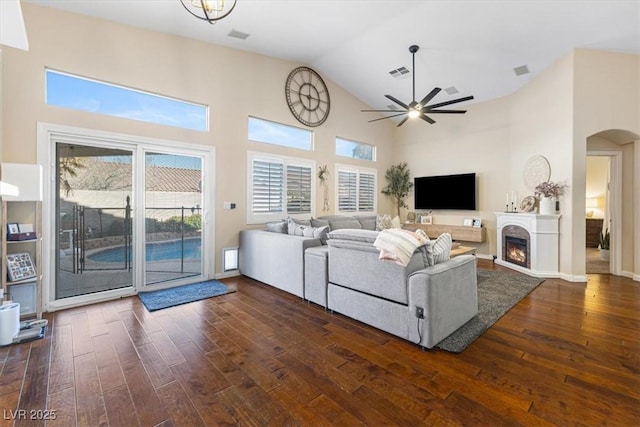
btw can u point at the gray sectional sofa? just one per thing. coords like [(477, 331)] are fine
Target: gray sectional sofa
[(346, 276)]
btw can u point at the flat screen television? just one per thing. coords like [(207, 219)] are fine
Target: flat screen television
[(455, 192)]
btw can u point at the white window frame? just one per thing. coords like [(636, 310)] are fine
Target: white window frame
[(261, 218), (358, 171)]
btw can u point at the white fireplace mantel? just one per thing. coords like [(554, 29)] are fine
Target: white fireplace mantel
[(544, 231)]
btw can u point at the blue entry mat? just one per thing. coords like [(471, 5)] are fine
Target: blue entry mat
[(164, 298)]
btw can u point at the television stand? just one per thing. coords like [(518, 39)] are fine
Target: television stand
[(458, 232)]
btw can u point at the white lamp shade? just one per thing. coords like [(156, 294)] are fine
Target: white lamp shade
[(26, 177)]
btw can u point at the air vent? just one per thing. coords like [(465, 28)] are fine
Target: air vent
[(238, 35), (399, 72), (523, 69), (451, 90)]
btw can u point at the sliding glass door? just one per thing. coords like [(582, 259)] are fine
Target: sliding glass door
[(126, 216), (93, 213), (173, 217)]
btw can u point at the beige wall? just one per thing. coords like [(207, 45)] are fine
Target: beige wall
[(607, 101), (235, 84), (475, 142)]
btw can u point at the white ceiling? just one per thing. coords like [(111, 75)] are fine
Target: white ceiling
[(472, 45)]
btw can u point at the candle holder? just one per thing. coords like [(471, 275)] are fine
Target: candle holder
[(506, 208)]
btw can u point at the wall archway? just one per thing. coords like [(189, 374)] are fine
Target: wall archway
[(623, 148)]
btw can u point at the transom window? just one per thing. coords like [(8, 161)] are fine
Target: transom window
[(356, 189), (355, 150), (279, 187), (279, 134), (83, 94)]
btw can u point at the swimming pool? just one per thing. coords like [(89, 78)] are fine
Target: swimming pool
[(163, 251)]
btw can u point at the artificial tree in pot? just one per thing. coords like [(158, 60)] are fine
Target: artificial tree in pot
[(398, 184)]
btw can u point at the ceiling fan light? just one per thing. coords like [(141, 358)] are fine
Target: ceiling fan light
[(413, 114)]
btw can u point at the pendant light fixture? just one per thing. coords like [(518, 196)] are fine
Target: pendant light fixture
[(211, 11)]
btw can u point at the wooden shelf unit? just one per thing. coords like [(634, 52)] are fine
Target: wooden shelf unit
[(458, 232), (23, 212)]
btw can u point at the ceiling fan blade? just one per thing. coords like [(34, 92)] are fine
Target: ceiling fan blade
[(382, 111), (446, 111), (402, 121), (388, 117), (430, 96), (453, 101), (427, 118), (397, 101)]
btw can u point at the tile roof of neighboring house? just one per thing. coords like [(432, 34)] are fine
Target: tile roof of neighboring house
[(98, 175)]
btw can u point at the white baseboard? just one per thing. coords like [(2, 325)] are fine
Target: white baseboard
[(636, 277), (573, 277), (233, 273)]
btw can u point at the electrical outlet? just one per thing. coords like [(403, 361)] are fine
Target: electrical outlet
[(420, 312)]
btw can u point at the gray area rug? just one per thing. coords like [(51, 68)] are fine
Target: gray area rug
[(498, 292)]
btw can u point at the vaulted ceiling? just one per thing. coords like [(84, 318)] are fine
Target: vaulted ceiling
[(473, 46)]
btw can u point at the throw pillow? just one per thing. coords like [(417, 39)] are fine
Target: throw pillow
[(293, 224), (442, 248), (277, 227), (383, 222), (316, 232)]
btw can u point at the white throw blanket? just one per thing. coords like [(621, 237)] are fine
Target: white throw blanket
[(397, 245)]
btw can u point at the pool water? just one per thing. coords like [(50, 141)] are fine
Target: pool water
[(154, 252)]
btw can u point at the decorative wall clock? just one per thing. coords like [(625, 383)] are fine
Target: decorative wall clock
[(536, 171), (307, 96)]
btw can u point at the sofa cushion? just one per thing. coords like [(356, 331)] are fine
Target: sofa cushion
[(317, 222), (316, 232), (339, 222), (368, 222), (354, 235), (278, 227)]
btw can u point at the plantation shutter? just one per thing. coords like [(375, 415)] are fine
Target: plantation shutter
[(366, 192), (298, 189), (268, 187), (347, 191)]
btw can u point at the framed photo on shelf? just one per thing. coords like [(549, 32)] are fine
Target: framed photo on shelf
[(468, 222), (426, 219), (12, 229), (20, 267), (477, 222)]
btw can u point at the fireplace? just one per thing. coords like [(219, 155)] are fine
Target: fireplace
[(516, 251), (529, 243)]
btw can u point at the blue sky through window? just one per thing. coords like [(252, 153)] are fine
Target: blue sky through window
[(65, 90), (279, 134)]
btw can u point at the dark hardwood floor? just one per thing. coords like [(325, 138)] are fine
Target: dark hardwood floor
[(568, 354)]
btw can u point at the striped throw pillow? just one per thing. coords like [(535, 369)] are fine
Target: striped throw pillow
[(442, 248)]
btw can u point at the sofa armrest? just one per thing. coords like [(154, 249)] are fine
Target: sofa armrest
[(275, 258), (448, 293)]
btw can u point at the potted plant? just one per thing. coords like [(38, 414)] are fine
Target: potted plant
[(546, 192), (398, 184), (604, 245)]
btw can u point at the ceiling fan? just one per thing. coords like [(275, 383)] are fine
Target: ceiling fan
[(419, 109)]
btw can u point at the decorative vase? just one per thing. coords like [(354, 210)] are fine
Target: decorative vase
[(547, 206)]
